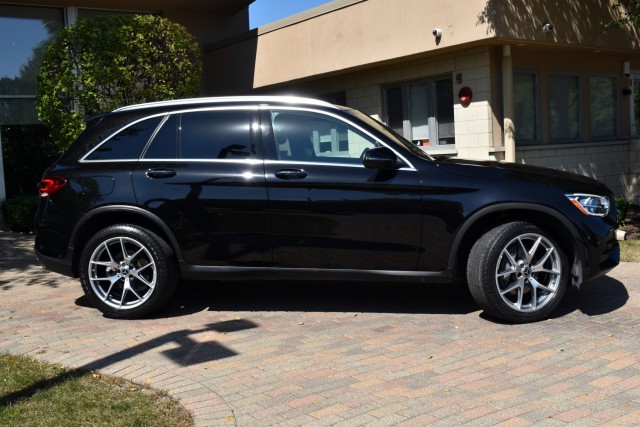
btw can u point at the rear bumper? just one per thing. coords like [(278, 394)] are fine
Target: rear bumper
[(58, 265)]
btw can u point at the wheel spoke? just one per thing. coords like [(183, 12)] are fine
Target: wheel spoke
[(537, 285), (519, 284), (533, 250), (544, 259), (137, 275)]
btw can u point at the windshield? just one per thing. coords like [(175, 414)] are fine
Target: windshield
[(388, 132)]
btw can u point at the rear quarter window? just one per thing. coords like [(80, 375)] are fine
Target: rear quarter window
[(128, 143)]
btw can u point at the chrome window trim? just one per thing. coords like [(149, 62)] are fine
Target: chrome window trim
[(342, 119), (151, 116)]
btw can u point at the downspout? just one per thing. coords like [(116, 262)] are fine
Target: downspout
[(509, 135)]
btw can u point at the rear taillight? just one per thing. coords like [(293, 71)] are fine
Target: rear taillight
[(50, 185)]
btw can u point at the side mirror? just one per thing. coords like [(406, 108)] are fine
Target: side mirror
[(380, 158)]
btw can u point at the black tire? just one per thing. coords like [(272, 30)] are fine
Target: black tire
[(505, 280), (128, 272)]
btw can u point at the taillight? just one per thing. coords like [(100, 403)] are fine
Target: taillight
[(50, 185)]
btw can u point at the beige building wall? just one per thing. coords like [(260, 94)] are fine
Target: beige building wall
[(359, 46)]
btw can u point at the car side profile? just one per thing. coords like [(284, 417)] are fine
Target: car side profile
[(295, 188)]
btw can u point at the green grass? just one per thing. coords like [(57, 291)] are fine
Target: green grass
[(38, 394), (630, 251)]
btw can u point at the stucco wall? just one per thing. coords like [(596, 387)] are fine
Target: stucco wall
[(612, 163)]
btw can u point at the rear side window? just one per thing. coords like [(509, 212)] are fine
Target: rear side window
[(128, 143), (204, 135)]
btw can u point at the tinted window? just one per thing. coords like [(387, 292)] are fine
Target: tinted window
[(215, 135), (128, 143), (165, 143), (302, 136)]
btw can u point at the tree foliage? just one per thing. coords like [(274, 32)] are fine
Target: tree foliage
[(628, 14), (105, 63)]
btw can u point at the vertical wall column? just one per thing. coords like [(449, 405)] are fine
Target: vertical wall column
[(509, 135), (3, 194)]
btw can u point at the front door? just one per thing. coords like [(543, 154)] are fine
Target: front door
[(327, 209)]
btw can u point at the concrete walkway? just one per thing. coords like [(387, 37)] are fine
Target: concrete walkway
[(289, 354)]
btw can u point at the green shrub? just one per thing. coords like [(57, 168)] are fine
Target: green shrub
[(622, 207), (105, 63), (20, 213)]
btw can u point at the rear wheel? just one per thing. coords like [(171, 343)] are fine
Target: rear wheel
[(127, 271), (516, 272)]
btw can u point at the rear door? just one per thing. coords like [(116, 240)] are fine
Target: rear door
[(203, 175)]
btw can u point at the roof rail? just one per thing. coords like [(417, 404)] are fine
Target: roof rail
[(227, 99)]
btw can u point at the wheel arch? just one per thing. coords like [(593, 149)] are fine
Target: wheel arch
[(105, 216), (550, 220)]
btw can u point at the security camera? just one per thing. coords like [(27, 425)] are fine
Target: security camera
[(437, 32), (547, 28)]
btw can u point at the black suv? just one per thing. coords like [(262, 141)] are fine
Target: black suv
[(291, 188)]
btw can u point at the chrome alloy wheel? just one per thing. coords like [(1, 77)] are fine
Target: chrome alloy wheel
[(528, 272), (122, 272)]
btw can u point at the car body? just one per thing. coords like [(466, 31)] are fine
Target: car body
[(294, 188)]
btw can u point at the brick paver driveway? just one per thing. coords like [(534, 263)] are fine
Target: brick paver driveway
[(343, 353)]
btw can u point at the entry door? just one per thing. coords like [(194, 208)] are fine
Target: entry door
[(327, 209)]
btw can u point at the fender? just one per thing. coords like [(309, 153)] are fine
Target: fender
[(475, 217), (128, 209)]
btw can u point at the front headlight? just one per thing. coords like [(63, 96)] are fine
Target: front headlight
[(590, 204)]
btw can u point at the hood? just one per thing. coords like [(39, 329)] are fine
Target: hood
[(567, 181)]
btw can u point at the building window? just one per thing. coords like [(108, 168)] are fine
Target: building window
[(25, 34), (525, 100), (422, 111), (603, 103), (564, 107)]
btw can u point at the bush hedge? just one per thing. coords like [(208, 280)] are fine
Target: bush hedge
[(20, 213)]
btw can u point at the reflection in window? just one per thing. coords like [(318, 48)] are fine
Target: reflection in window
[(215, 135), (128, 143), (564, 107), (25, 34), (525, 107), (303, 136), (602, 106)]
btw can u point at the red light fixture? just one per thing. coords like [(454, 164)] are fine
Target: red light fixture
[(465, 95), (50, 185)]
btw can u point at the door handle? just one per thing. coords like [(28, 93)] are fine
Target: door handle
[(291, 174), (160, 173)]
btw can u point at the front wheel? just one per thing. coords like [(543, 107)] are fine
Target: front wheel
[(516, 272), (127, 271)]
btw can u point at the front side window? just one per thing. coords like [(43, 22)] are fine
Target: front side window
[(525, 100), (564, 107), (311, 137), (603, 112)]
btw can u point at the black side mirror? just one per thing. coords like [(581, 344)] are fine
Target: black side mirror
[(380, 158)]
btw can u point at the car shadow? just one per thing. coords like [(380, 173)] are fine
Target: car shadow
[(320, 296), (598, 297)]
